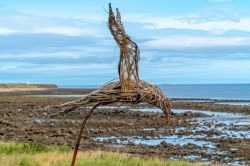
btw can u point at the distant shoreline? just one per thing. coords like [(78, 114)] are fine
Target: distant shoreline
[(26, 87), (209, 93), (22, 89)]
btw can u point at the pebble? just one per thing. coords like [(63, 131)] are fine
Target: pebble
[(37, 122), (45, 114), (164, 143)]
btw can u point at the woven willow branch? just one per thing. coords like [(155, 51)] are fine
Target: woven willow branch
[(129, 89)]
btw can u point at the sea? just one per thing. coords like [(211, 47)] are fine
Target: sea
[(206, 91)]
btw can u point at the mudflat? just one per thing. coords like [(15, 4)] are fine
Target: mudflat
[(205, 131)]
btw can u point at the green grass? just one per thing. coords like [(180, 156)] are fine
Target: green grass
[(27, 85), (19, 154), (17, 148)]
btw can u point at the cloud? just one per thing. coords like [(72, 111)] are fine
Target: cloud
[(68, 31), (220, 0), (243, 24), (81, 50), (53, 68), (215, 71), (196, 42), (58, 54), (90, 73), (17, 22), (6, 31)]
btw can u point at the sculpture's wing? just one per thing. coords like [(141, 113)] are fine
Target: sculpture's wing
[(129, 51)]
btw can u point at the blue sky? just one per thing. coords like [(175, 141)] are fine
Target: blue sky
[(181, 41)]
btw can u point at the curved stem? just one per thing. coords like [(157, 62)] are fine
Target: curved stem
[(81, 131)]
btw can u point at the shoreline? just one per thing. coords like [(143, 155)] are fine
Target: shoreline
[(67, 94), (3, 90), (84, 91), (21, 87)]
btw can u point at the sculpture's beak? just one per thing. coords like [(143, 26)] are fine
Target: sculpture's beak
[(167, 112), (167, 115)]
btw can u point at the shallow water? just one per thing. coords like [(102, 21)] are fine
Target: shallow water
[(195, 101), (227, 125), (174, 139), (230, 122), (213, 91), (235, 103)]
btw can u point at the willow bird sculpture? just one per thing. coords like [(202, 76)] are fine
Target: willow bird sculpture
[(129, 88)]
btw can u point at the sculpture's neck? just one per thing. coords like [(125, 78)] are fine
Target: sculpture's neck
[(129, 52)]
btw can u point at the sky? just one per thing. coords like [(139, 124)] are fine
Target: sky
[(181, 41)]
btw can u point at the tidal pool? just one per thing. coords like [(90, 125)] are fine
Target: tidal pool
[(222, 124)]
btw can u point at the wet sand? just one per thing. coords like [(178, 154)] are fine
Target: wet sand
[(195, 131)]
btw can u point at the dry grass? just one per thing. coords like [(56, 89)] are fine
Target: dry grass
[(97, 158), (18, 154)]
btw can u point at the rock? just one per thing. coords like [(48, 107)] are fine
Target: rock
[(7, 123), (58, 132), (71, 132), (164, 143), (45, 114), (37, 122), (106, 141)]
